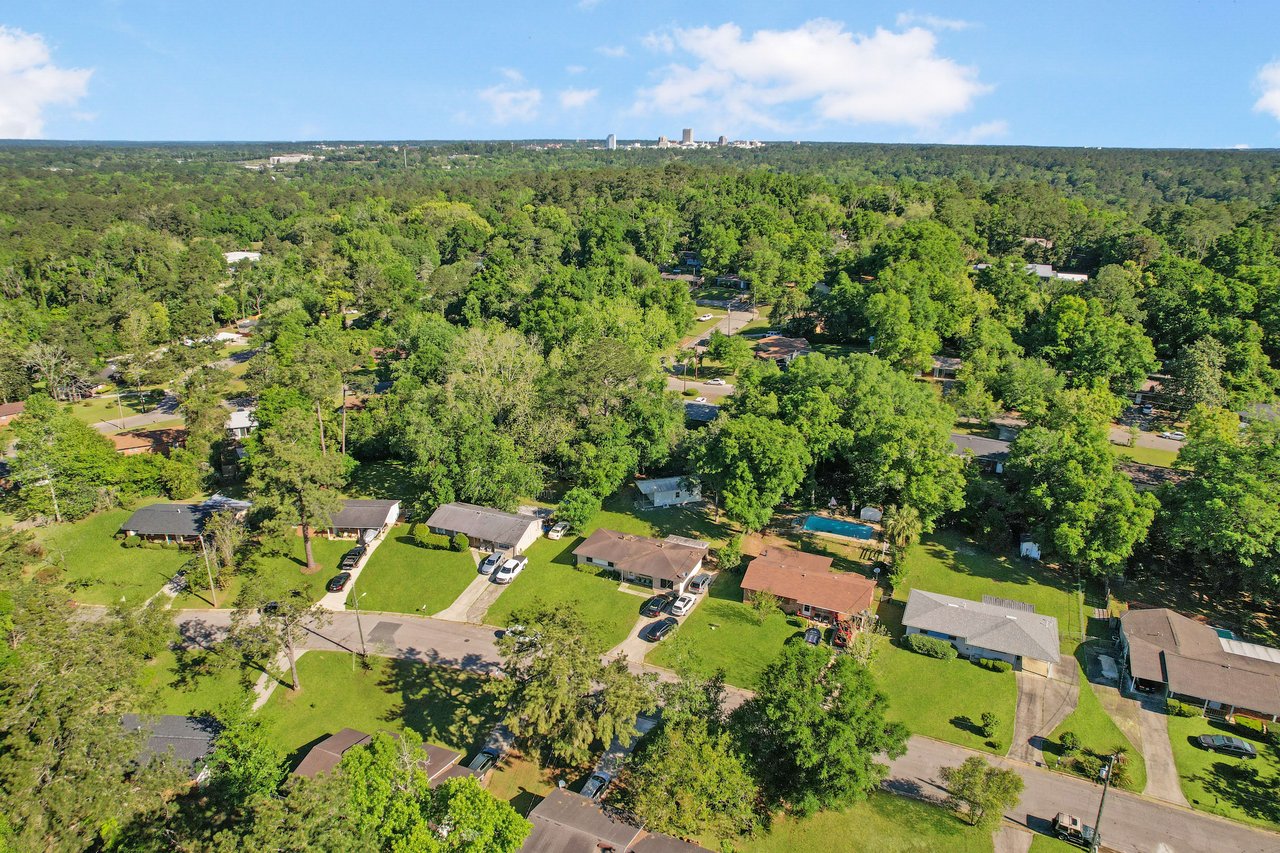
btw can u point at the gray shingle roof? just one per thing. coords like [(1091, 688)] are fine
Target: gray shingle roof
[(188, 738), (980, 446), (167, 520), (654, 558), (362, 514), (987, 626), (482, 522)]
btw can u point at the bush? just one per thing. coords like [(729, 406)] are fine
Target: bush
[(931, 647), (1180, 709), (1070, 743), (993, 664), (989, 723), (427, 539), (1250, 727), (689, 392), (729, 558), (131, 541), (577, 508), (460, 542)]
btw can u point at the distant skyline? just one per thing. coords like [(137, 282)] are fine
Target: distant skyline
[(1092, 73)]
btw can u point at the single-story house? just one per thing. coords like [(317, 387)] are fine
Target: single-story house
[(1045, 272), (992, 628), (735, 281), (485, 527), (241, 422), (990, 453), (658, 563), (363, 519), (669, 491), (805, 584), (179, 523), (1179, 657), (237, 257), (326, 755), (1260, 412), (945, 366), (1152, 391), (9, 411), (188, 739), (1008, 426), (782, 349), (148, 441), (565, 822)]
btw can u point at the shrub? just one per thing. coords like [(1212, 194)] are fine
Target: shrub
[(131, 541), (427, 539), (729, 558), (460, 542), (1250, 727), (993, 664), (989, 723), (1070, 743), (931, 647), (689, 392), (1180, 709)]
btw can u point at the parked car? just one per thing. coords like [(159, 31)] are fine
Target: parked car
[(716, 381), (1148, 409), (1228, 745), (662, 628), (682, 605), (1072, 830), (350, 559), (700, 399), (654, 606), (483, 762), (492, 562), (699, 583), (338, 582), (594, 789), (705, 317), (510, 569), (1174, 435), (559, 530), (813, 636)]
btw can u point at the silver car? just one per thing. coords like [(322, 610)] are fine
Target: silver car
[(491, 562)]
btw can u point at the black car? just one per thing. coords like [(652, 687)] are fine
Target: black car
[(484, 759), (350, 559), (654, 606), (662, 628), (813, 636), (338, 582), (1228, 745)]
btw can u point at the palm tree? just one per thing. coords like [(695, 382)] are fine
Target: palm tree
[(901, 527)]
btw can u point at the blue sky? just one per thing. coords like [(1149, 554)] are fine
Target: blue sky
[(1142, 74)]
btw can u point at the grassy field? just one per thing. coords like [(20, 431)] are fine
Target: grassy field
[(723, 632), (171, 685), (99, 569), (1099, 734), (1049, 844), (404, 577), (885, 823), (104, 408), (446, 706), (388, 480), (702, 328), (1235, 788), (1148, 455), (952, 565)]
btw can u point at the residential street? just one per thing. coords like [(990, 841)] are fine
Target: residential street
[(713, 393), (167, 410)]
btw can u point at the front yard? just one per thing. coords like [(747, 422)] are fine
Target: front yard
[(1235, 788), (404, 577), (1098, 734)]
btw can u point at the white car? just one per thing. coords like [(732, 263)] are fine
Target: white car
[(705, 317), (699, 399), (1176, 435), (682, 605), (559, 530), (492, 562), (510, 570), (716, 381)]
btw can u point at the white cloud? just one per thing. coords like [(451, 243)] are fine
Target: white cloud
[(659, 42), (886, 77), (508, 104), (617, 51), (1240, 146), (512, 74), (932, 22), (1268, 81), (30, 83), (575, 69), (573, 99), (981, 133)]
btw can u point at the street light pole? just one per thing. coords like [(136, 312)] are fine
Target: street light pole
[(359, 625), (1097, 824)]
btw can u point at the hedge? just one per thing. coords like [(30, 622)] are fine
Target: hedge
[(427, 539), (994, 664), (931, 647), (1181, 709), (460, 542)]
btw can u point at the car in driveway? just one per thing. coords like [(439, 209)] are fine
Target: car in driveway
[(483, 762), (700, 400), (350, 559), (660, 629), (510, 570), (683, 605), (699, 583), (491, 562), (338, 582), (1227, 745), (558, 530), (813, 636), (1174, 435), (716, 381), (705, 317), (594, 788), (1148, 409), (655, 605)]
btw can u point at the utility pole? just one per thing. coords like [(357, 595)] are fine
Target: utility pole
[(359, 625), (213, 592), (1096, 842)]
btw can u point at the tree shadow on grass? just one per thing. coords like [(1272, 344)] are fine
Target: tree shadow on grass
[(444, 705), (1241, 785), (964, 724)]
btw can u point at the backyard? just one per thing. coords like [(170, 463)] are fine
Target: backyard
[(1232, 787), (404, 577)]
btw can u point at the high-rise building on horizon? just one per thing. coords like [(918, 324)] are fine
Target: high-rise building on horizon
[(611, 143), (724, 140), (662, 142), (686, 137)]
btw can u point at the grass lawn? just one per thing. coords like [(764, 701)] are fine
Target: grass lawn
[(885, 823), (702, 328), (1148, 455), (104, 408), (1049, 844), (404, 577), (169, 688), (387, 480), (521, 782), (1232, 787), (1099, 734), (723, 632), (281, 572), (99, 569), (950, 564), (446, 706)]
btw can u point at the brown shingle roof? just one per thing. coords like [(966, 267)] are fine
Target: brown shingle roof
[(8, 410), (327, 754), (779, 346), (641, 555), (808, 579)]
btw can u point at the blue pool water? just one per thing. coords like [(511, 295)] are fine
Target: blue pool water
[(826, 524), (1225, 634)]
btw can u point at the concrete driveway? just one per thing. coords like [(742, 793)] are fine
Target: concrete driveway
[(635, 647), (1162, 771), (1043, 703), (476, 599), (338, 600)]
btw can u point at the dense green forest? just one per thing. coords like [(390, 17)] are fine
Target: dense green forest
[(507, 304)]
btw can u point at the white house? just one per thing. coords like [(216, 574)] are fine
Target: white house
[(669, 491), (235, 257), (486, 527), (363, 519), (241, 423)]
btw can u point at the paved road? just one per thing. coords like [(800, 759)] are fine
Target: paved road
[(713, 393), (1130, 824), (167, 410), (1120, 436)]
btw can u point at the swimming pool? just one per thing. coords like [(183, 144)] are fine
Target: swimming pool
[(826, 524), (1225, 634)]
